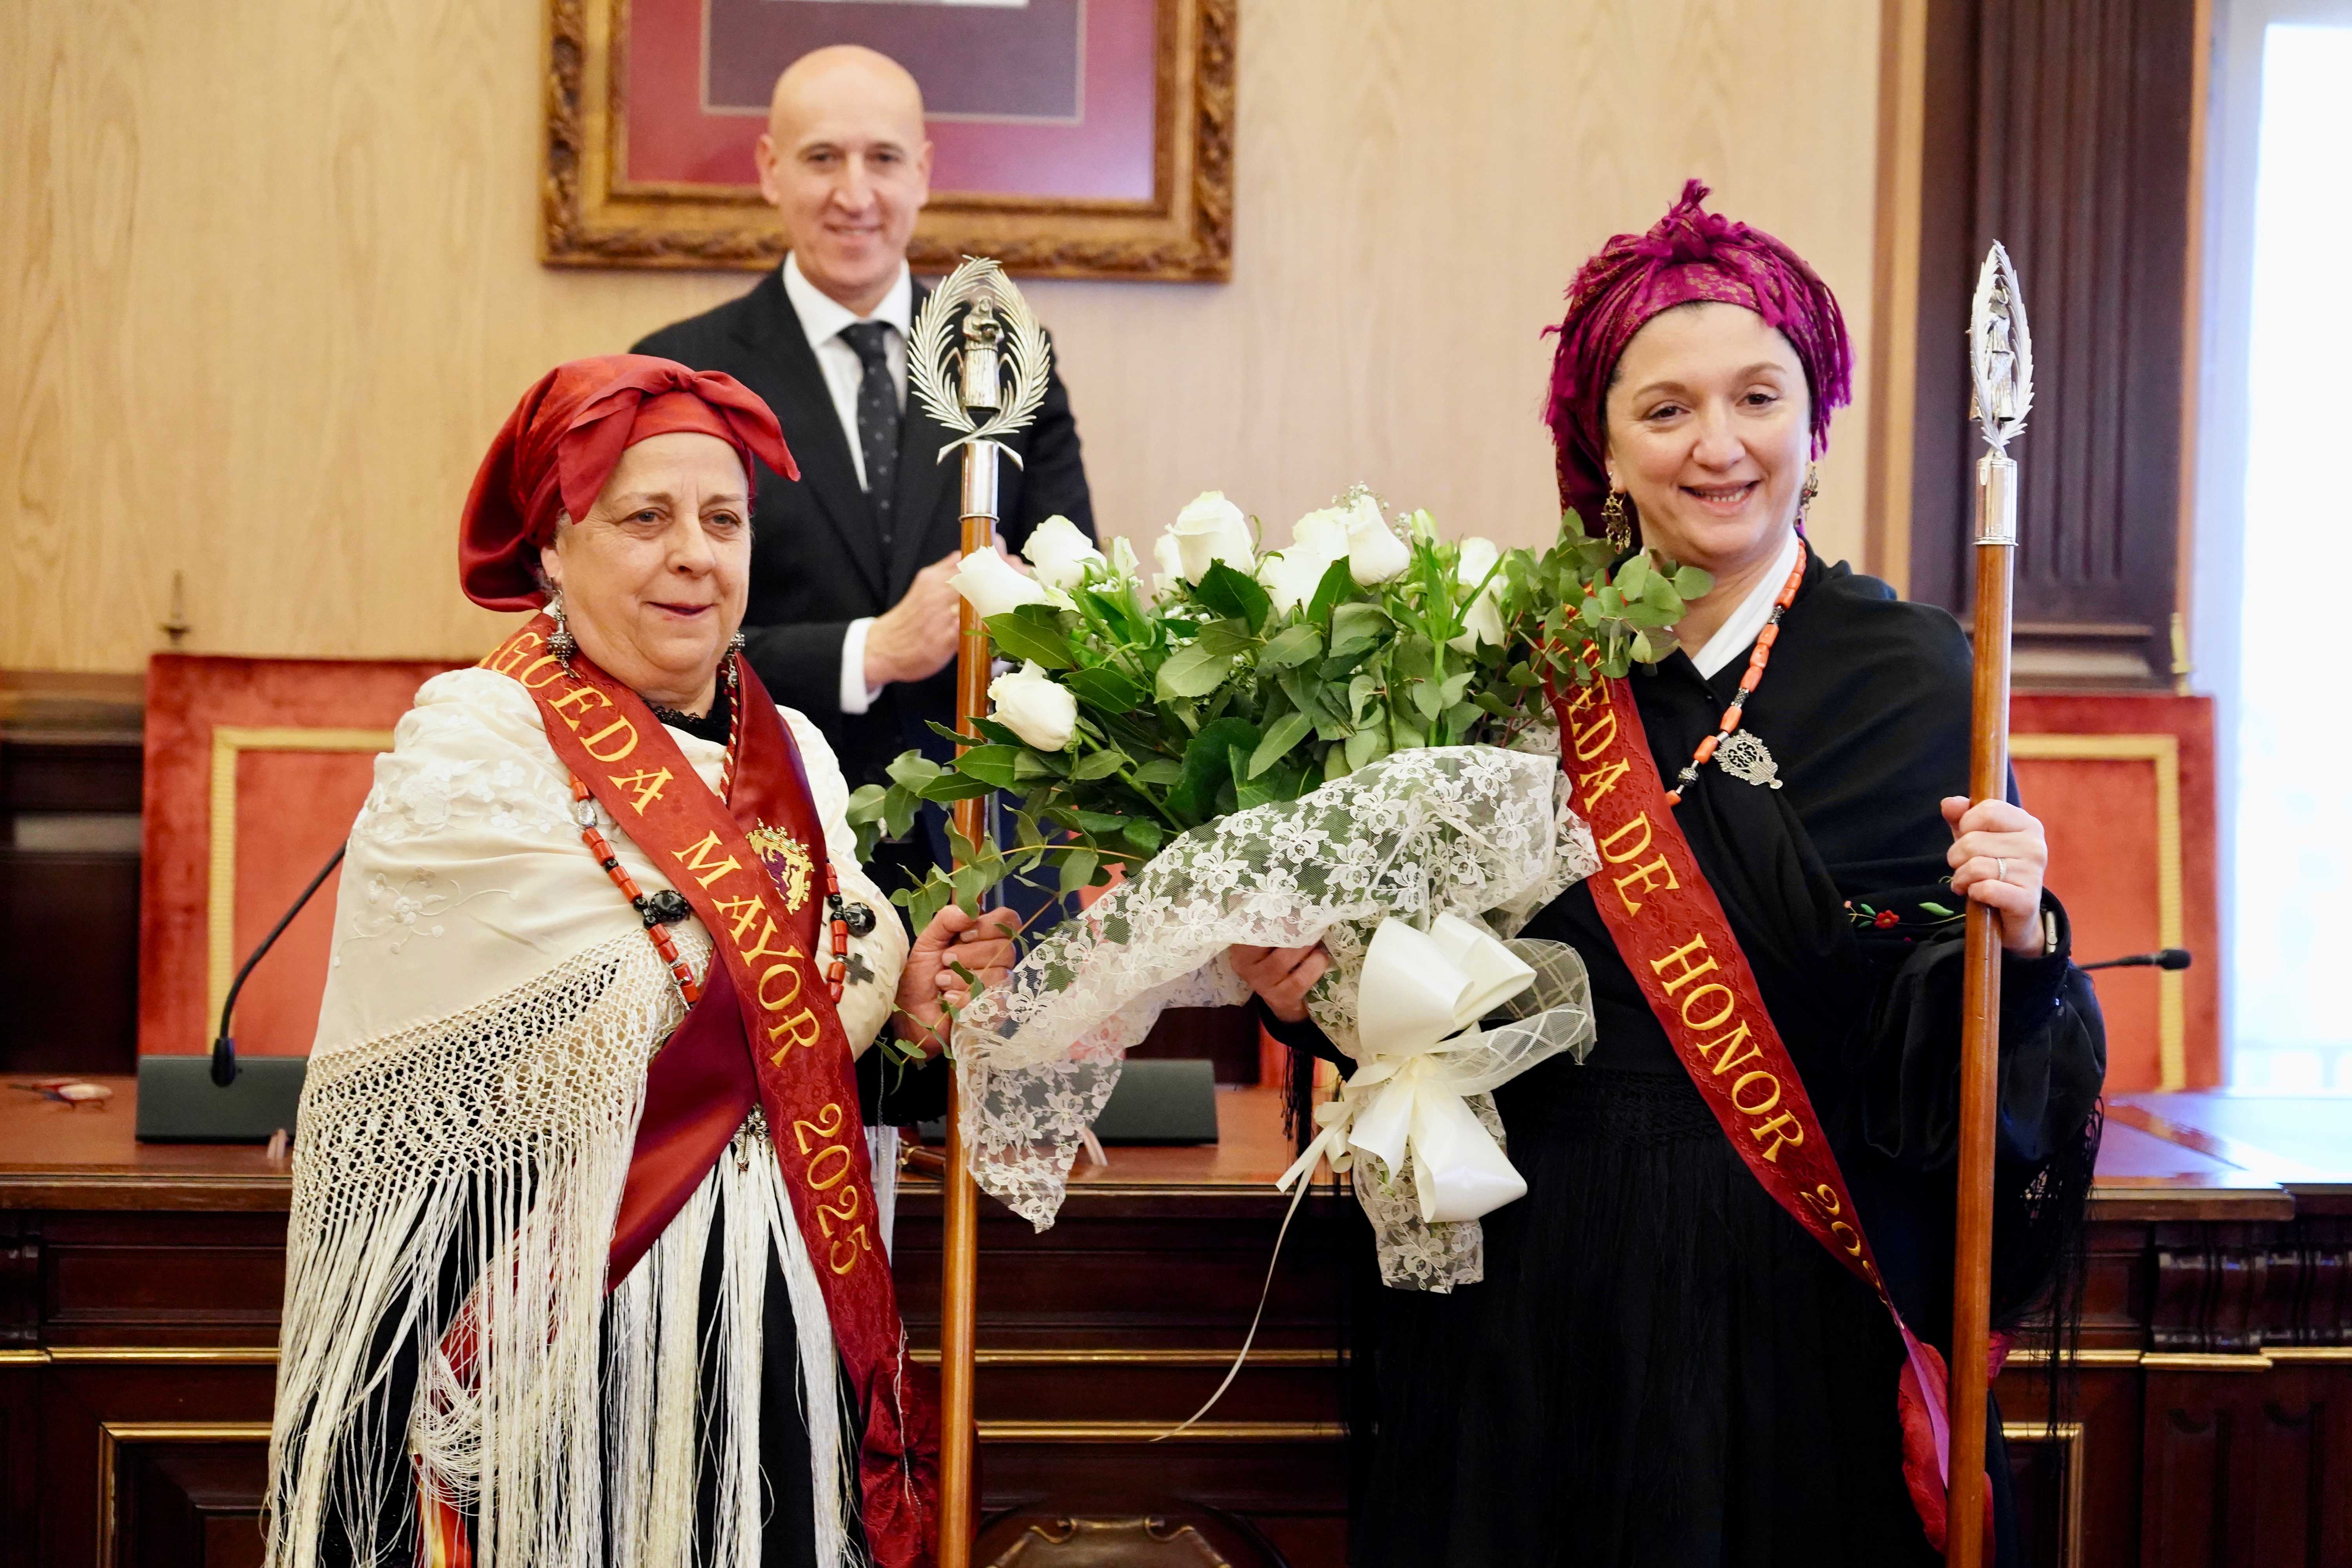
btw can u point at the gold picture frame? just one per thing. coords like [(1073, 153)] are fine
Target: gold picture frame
[(592, 217)]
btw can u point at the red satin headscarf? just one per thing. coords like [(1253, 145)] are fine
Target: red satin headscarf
[(1689, 254), (556, 449)]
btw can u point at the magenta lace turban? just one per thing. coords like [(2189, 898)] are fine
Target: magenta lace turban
[(1688, 255)]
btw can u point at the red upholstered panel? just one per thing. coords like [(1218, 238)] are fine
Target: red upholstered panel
[(2124, 784), (292, 738)]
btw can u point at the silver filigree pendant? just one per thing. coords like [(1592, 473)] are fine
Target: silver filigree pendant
[(1747, 759)]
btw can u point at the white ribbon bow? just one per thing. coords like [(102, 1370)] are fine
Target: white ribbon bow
[(1421, 995)]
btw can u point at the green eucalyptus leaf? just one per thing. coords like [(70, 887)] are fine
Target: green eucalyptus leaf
[(1110, 691), (1291, 647), (1280, 736), (1227, 636), (948, 788), (1355, 628), (1428, 699), (1336, 588), (1233, 594), (1208, 768), (1634, 575), (1079, 869), (1693, 583), (912, 769), (1032, 631), (1194, 671)]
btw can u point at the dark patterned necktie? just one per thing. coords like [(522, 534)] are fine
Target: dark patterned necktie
[(878, 419)]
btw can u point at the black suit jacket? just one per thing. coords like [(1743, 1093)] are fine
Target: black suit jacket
[(816, 561)]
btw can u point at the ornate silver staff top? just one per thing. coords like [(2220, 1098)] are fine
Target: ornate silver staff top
[(960, 372), (2000, 358)]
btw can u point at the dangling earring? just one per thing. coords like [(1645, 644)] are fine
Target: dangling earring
[(1615, 524), (559, 641), (1805, 497)]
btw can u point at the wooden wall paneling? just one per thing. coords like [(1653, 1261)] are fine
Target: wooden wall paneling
[(184, 1494), (129, 1279), (98, 1420), (1895, 318), (271, 282), (2238, 1468), (20, 1495), (2062, 127)]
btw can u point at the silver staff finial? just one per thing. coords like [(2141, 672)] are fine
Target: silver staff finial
[(959, 370), (2000, 352)]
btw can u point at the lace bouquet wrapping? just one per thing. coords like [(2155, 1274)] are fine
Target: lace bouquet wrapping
[(1476, 833)]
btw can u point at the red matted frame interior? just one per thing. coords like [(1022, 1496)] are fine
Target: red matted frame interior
[(1071, 138), (2124, 784), (255, 769)]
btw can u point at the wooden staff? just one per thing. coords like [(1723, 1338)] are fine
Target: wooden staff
[(2002, 356), (974, 334)]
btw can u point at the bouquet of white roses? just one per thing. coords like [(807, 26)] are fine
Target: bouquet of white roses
[(1243, 677)]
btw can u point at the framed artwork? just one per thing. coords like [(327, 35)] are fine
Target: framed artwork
[(1071, 138)]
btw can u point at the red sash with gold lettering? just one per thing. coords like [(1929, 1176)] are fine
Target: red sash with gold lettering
[(752, 869), (1672, 931)]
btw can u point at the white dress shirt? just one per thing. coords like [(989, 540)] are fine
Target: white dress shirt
[(822, 318), (1731, 638)]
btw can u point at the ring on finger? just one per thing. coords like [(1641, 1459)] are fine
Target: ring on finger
[(2000, 869)]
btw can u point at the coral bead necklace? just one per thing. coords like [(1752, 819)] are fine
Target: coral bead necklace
[(664, 908), (1757, 658)]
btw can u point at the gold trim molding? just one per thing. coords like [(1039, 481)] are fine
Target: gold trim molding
[(163, 1355), (230, 742), (112, 1435), (2199, 1360), (2068, 1435), (2163, 753)]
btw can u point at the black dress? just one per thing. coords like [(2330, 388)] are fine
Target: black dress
[(1661, 1368)]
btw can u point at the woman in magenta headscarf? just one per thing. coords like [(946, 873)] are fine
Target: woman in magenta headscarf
[(1663, 1367), (585, 1263)]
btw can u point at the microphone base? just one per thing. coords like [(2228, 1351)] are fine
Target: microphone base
[(179, 1102)]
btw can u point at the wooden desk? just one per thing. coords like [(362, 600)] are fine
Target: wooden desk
[(140, 1290)]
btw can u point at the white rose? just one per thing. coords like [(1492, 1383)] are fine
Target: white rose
[(1170, 563), (1291, 577), (1375, 553), (988, 581), (1061, 554), (1291, 574), (1484, 623), (1124, 566), (1212, 528), (1035, 707)]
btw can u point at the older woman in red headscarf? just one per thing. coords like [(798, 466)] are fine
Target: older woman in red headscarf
[(1677, 1356), (585, 1263)]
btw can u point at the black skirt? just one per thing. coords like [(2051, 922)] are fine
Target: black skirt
[(1660, 1368)]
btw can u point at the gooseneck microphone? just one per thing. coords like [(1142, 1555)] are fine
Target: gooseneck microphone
[(224, 1043), (2164, 958)]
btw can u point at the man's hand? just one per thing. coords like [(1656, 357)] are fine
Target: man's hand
[(1282, 976), (914, 638), (928, 986)]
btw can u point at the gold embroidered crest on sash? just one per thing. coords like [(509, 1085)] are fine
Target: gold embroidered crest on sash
[(788, 863)]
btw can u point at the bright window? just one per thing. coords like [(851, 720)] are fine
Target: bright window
[(2292, 864)]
